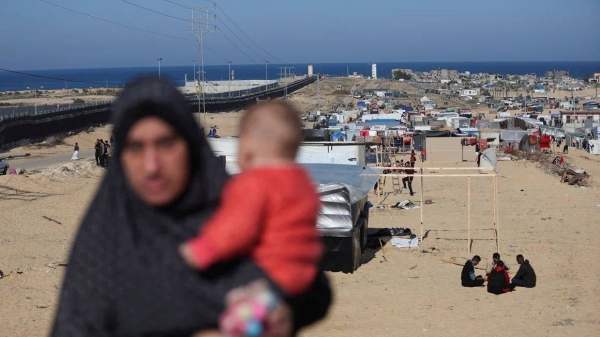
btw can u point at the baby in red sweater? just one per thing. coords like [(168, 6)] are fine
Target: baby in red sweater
[(269, 211)]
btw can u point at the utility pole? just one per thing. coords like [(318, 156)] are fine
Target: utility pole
[(229, 72), (194, 63), (318, 97), (266, 70), (203, 27), (159, 61)]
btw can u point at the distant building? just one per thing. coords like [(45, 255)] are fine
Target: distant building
[(597, 77), (469, 92), (374, 71), (557, 75)]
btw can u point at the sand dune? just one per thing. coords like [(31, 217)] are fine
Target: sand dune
[(413, 292)]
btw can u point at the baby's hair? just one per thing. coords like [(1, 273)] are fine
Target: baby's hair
[(277, 124)]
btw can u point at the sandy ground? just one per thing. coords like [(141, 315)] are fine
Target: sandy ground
[(413, 292)]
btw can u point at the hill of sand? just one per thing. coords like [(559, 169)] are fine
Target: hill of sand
[(409, 292)]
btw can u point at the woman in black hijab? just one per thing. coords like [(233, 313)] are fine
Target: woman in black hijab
[(125, 276)]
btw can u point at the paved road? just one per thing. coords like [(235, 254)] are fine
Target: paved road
[(54, 160)]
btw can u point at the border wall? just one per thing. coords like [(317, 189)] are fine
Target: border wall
[(18, 130)]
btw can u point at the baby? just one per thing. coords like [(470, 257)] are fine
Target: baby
[(269, 211)]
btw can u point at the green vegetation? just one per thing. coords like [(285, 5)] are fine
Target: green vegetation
[(586, 78), (399, 74), (78, 101)]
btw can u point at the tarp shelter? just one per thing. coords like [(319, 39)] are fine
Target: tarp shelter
[(339, 137), (344, 217), (425, 100), (512, 136), (552, 131), (349, 153), (594, 146), (488, 158), (449, 149), (529, 143)]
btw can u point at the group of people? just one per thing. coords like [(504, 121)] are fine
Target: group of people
[(102, 150), (497, 278)]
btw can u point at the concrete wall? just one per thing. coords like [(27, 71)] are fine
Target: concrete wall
[(214, 87), (449, 149)]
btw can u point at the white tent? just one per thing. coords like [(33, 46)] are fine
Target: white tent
[(425, 100)]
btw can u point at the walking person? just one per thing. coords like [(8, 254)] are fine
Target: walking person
[(107, 151), (101, 153), (75, 152), (97, 151), (409, 171)]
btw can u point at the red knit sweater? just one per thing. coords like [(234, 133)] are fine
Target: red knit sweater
[(269, 214)]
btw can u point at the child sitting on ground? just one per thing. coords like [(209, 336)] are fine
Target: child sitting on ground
[(269, 211)]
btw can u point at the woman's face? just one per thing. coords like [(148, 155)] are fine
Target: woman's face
[(156, 161)]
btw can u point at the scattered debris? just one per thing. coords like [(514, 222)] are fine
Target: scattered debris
[(42, 306), (406, 204), (50, 219), (565, 322), (57, 264)]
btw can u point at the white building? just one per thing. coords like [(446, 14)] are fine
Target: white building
[(469, 92), (374, 71)]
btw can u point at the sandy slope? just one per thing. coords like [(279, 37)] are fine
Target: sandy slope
[(553, 225)]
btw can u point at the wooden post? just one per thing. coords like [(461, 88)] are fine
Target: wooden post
[(494, 211), (497, 217), (422, 204), (469, 217)]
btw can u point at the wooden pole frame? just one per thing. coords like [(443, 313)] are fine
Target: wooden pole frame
[(491, 173)]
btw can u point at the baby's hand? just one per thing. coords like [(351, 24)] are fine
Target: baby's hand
[(186, 254)]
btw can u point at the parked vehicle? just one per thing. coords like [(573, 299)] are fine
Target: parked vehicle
[(3, 167)]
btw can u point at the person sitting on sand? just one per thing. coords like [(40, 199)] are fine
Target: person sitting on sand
[(276, 227), (498, 280), (492, 264), (525, 276), (467, 276)]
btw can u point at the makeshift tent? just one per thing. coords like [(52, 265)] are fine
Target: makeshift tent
[(594, 146), (344, 216), (529, 143), (488, 159), (338, 137)]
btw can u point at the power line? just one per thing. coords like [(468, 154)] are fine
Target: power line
[(115, 23), (130, 27), (180, 5), (51, 78), (219, 7), (266, 52), (153, 11), (238, 48), (242, 41)]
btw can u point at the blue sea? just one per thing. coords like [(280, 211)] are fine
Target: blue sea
[(117, 77)]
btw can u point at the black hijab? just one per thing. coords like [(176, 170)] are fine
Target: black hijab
[(125, 276)]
